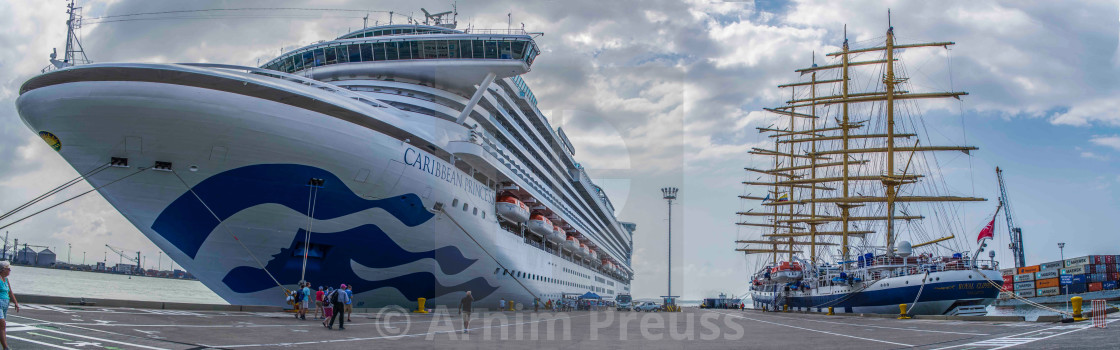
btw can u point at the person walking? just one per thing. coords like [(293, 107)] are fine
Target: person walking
[(536, 304), (305, 303), (319, 303), (328, 308), (465, 310), (502, 305), (6, 297), (349, 301), (338, 300)]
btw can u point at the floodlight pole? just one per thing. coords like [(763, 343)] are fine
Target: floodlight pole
[(669, 194)]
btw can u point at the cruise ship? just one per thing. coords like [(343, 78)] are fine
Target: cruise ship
[(408, 160)]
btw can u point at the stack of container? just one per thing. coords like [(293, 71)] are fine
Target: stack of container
[(1008, 280), (1024, 281), (1046, 280), (1091, 273)]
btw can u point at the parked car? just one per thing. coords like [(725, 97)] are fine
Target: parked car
[(625, 302), (648, 307)]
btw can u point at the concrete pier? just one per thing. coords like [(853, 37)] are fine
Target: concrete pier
[(43, 326)]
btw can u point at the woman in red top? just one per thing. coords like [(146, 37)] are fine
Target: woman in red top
[(319, 303)]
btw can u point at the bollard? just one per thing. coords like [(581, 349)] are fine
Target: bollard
[(1076, 301), (902, 312), (420, 306), (511, 305), (830, 313), (785, 307)]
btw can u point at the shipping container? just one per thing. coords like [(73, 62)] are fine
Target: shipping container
[(1098, 259), (1043, 292), (1076, 270), (1096, 277), (1077, 261), (1112, 268), (1080, 279), (1077, 288), (1008, 280), (1109, 284), (1028, 269), (1007, 272), (1046, 283), (1044, 274), (1115, 276), (1109, 259), (1051, 265), (1095, 287), (1026, 277), (1024, 285), (1007, 288), (1029, 293)]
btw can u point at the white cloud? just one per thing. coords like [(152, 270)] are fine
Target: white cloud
[(1091, 155), (1107, 141)]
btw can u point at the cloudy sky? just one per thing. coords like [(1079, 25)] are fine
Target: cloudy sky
[(668, 93)]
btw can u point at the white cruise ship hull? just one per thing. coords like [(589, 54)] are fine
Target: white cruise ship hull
[(943, 293), (239, 203)]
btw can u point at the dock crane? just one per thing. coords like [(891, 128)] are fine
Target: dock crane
[(1014, 231), (125, 256)]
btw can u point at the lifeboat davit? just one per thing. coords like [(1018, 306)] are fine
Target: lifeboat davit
[(572, 243), (511, 209), (540, 225), (557, 234), (786, 272)]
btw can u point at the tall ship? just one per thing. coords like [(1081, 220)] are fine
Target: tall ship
[(405, 160), (848, 185)]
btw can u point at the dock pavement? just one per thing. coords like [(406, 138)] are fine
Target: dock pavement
[(44, 326)]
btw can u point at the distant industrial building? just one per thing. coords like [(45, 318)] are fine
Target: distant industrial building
[(26, 256), (45, 257)]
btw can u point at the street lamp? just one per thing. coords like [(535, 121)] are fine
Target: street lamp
[(669, 194), (1062, 249), (68, 249)]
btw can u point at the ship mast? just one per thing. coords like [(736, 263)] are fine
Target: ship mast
[(784, 225)]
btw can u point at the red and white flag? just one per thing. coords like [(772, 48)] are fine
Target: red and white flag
[(987, 231)]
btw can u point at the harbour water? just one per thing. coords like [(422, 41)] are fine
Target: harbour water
[(78, 284)]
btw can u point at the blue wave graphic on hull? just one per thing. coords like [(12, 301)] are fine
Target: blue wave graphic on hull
[(186, 223)]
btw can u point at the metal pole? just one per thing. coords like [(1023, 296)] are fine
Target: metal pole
[(670, 293)]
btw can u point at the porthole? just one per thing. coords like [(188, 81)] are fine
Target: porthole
[(484, 215), (455, 203), (476, 211), (464, 206)]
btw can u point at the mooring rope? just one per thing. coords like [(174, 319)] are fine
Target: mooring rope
[(312, 202), (73, 198), (54, 191), (910, 309)]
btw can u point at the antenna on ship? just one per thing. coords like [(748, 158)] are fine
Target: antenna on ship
[(74, 53)]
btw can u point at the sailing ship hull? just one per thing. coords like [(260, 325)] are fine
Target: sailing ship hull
[(947, 291), (237, 208)]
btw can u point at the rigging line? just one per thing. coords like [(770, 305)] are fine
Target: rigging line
[(238, 9), (73, 198), (515, 279), (220, 222), (54, 191)]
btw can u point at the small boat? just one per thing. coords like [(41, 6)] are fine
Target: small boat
[(511, 209), (572, 243), (557, 235), (786, 272), (540, 225)]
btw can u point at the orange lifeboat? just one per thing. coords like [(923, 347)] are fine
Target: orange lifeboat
[(540, 225), (572, 242), (511, 209), (557, 234)]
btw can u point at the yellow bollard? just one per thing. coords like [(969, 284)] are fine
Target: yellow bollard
[(902, 312), (420, 306), (785, 308), (1076, 302), (830, 313), (511, 305)]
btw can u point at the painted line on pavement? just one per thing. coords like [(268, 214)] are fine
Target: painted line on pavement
[(39, 342), (89, 337), (883, 327), (1019, 339), (818, 331), (452, 318)]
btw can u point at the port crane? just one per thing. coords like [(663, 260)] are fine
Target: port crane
[(127, 256), (1014, 231)]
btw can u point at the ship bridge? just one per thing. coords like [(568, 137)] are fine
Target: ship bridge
[(446, 57)]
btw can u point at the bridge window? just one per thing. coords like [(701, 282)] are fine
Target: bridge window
[(491, 49), (341, 52), (478, 48), (331, 58), (367, 51), (378, 51), (319, 57)]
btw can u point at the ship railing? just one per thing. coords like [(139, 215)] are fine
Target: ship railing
[(523, 90), (507, 31)]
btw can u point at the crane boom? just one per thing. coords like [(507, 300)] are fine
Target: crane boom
[(1014, 231), (127, 256)]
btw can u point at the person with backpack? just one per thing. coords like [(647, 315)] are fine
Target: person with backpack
[(338, 299), (465, 310), (328, 308), (297, 299)]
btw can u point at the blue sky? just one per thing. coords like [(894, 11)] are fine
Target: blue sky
[(668, 93)]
